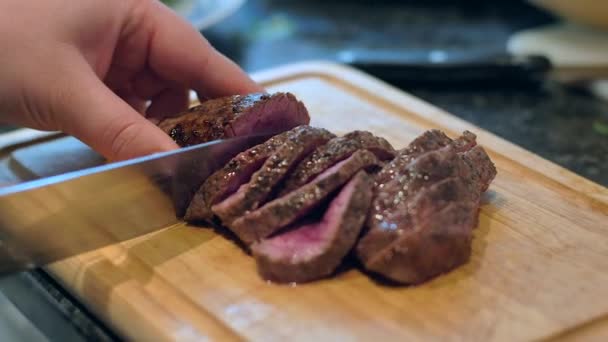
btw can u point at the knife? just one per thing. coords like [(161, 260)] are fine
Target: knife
[(444, 67), (50, 219), (433, 67)]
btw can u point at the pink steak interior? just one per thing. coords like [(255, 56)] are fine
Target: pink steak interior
[(235, 183), (305, 241), (275, 116)]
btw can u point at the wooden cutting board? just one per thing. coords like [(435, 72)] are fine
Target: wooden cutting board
[(539, 267)]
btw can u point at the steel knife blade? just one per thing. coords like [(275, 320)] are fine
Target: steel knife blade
[(53, 218)]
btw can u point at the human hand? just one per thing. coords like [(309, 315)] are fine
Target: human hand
[(88, 67)]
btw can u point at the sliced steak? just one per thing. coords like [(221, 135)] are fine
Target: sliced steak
[(415, 166), (285, 210), (482, 168), (405, 241), (428, 141), (300, 142), (425, 170), (314, 250), (388, 228), (431, 247), (227, 180), (334, 151), (236, 115)]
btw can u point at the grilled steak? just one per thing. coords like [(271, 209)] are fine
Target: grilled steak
[(428, 141), (300, 142), (285, 210), (334, 151), (481, 166), (422, 216), (432, 247), (301, 198), (236, 116), (227, 180), (314, 250)]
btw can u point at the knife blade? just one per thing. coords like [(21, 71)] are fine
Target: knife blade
[(50, 219)]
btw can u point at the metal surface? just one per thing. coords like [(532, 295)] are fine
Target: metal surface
[(53, 218), (204, 13), (30, 294), (443, 67), (449, 67), (14, 326)]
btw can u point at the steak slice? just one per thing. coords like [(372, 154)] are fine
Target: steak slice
[(227, 180), (334, 151), (431, 247), (422, 218), (314, 250), (481, 166), (423, 171), (236, 115), (300, 142), (428, 141), (285, 210), (393, 184), (395, 222)]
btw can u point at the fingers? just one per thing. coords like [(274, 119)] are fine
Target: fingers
[(132, 100), (147, 85), (169, 102), (167, 99), (180, 54), (98, 117)]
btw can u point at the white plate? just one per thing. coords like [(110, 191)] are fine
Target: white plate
[(205, 13)]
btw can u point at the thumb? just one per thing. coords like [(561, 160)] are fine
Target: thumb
[(102, 120)]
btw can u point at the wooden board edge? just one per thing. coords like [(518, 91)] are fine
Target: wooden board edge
[(71, 280), (338, 73), (591, 330), (394, 97)]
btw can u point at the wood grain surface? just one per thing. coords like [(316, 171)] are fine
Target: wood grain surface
[(539, 268)]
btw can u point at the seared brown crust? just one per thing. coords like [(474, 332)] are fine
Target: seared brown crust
[(428, 141), (209, 120), (301, 141), (423, 212), (285, 210), (319, 265), (226, 181), (334, 151), (215, 119), (482, 168), (388, 229), (432, 247), (427, 169)]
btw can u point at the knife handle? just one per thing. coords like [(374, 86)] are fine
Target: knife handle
[(485, 70)]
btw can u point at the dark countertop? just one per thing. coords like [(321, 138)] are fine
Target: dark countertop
[(555, 124), (565, 126)]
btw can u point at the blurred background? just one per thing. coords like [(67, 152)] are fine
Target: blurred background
[(532, 72), (511, 67)]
